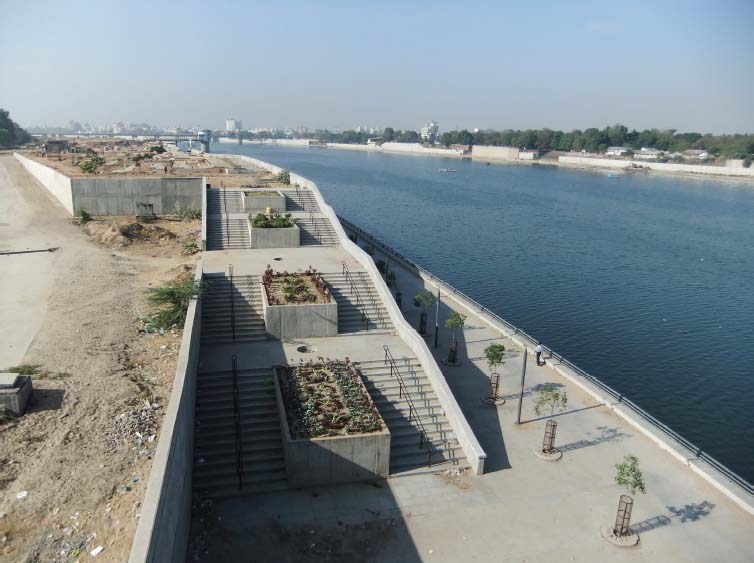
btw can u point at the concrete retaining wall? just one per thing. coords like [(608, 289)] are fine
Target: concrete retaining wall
[(15, 399), (658, 166), (59, 185), (353, 147), (163, 531), (120, 196), (416, 148), (482, 152), (332, 460), (275, 238), (473, 451), (300, 321), (258, 202)]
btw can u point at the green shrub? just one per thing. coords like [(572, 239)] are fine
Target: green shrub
[(190, 247), (172, 300), (262, 221), (90, 166), (84, 214), (284, 177), (188, 213)]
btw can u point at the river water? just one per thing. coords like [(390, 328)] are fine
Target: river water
[(645, 281)]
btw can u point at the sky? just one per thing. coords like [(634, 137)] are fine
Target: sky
[(563, 65)]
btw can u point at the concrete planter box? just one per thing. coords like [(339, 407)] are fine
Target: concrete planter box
[(15, 391), (333, 459), (300, 321), (275, 238), (258, 202)]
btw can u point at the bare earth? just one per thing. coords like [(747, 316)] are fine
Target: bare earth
[(76, 452)]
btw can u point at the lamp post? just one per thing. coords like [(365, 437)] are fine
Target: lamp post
[(437, 317), (523, 377)]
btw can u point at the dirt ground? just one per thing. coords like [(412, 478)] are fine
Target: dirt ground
[(74, 468)]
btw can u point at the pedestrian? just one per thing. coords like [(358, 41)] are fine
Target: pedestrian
[(538, 351)]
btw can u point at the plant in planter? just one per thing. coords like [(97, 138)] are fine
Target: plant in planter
[(391, 279), (628, 474), (425, 299), (495, 354), (273, 221), (283, 288), (454, 321), (552, 399), (284, 177)]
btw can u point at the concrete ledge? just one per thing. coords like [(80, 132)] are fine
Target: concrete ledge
[(300, 321), (259, 201), (275, 238), (59, 185), (15, 396), (333, 459), (165, 520)]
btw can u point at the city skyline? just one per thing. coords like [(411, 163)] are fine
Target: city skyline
[(335, 65)]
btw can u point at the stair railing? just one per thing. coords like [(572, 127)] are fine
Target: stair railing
[(232, 303), (227, 219), (412, 414), (355, 290), (237, 426)]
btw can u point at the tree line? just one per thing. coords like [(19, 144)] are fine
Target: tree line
[(590, 140), (11, 134)]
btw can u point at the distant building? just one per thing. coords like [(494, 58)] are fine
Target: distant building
[(617, 151), (374, 141), (647, 154), (695, 154), (233, 124), (530, 154), (56, 147), (430, 132)]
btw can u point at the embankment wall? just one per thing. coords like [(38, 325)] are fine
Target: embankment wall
[(658, 166), (117, 196), (165, 519), (482, 152)]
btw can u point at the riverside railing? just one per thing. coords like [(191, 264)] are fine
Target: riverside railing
[(412, 413), (619, 397)]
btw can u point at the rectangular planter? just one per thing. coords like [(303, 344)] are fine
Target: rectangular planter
[(275, 238), (258, 202), (333, 459), (300, 321), (15, 391)]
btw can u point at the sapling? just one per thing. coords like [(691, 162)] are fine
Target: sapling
[(550, 397), (628, 474), (454, 321), (425, 300)]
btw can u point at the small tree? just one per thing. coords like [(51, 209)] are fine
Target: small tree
[(495, 354), (628, 474), (284, 177), (550, 397), (454, 321), (425, 299)]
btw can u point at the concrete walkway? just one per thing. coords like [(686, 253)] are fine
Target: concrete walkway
[(521, 509)]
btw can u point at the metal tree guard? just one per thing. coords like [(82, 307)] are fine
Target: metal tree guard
[(548, 444), (494, 397), (623, 517)]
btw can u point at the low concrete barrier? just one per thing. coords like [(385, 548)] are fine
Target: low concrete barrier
[(258, 202), (59, 185), (658, 166), (300, 321), (274, 238), (165, 520), (466, 439), (204, 214)]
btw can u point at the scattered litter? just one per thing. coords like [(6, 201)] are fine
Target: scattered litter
[(22, 494), (96, 551), (135, 479)]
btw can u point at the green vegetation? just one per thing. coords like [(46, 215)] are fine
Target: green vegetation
[(172, 301), (11, 135), (157, 149), (25, 369), (189, 247), (628, 474), (550, 397), (84, 215), (90, 166), (454, 321), (284, 177), (425, 299), (276, 221), (495, 354), (188, 213)]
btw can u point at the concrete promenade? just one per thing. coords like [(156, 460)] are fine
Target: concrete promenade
[(521, 509)]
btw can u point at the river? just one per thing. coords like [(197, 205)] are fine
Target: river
[(645, 281)]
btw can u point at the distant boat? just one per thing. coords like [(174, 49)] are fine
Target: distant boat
[(613, 174), (447, 169)]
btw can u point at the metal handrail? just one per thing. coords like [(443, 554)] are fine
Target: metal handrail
[(232, 303), (316, 227), (227, 219), (412, 414), (482, 310), (355, 290), (237, 425)]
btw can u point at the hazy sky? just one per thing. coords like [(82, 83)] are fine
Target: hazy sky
[(687, 65)]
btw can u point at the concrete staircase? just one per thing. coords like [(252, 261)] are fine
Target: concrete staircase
[(221, 200), (215, 461), (216, 309), (316, 231), (406, 455), (224, 233), (349, 310), (303, 200)]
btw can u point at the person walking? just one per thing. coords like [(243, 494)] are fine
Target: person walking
[(538, 352)]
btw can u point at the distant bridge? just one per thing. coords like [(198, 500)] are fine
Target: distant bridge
[(203, 137)]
